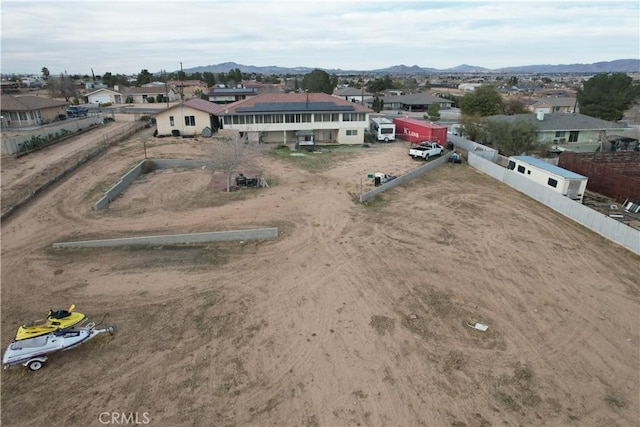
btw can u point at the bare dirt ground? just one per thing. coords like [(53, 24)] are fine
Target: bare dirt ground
[(356, 315)]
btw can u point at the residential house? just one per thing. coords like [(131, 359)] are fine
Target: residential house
[(468, 87), (28, 110), (188, 88), (298, 119), (412, 102), (190, 118), (130, 95), (353, 94), (570, 132), (227, 95), (553, 105)]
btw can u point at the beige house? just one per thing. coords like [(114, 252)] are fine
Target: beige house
[(189, 118), (135, 95), (28, 110), (554, 105)]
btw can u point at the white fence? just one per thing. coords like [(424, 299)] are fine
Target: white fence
[(607, 227)]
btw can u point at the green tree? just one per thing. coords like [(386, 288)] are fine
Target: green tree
[(472, 128), (45, 73), (483, 101), (433, 112), (608, 96), (511, 138), (144, 77), (380, 84), (377, 104), (513, 81), (318, 81), (209, 78), (108, 79)]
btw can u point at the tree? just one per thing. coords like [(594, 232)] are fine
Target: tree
[(61, 87), (108, 79), (45, 73), (377, 104), (511, 138), (228, 155), (380, 84), (608, 96), (472, 128), (513, 81), (318, 81), (144, 77), (514, 106), (209, 78), (484, 101), (433, 112)]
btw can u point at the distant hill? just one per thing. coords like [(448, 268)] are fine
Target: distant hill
[(617, 66)]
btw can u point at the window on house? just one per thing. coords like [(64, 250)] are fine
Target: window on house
[(573, 136), (144, 98), (552, 183), (351, 132), (521, 169), (560, 134), (189, 120), (171, 122)]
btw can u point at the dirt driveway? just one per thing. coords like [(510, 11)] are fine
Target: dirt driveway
[(356, 315)]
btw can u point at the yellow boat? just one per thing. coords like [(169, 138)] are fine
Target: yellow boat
[(56, 320)]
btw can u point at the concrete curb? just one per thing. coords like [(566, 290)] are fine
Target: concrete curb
[(214, 236)]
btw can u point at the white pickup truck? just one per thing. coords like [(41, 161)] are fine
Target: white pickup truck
[(425, 150)]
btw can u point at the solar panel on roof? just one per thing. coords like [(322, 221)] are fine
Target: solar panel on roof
[(294, 106)]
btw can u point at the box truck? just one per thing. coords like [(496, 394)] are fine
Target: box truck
[(417, 131)]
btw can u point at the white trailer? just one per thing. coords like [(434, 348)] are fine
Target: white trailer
[(563, 181)]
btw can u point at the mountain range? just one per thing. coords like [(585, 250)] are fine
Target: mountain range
[(617, 66)]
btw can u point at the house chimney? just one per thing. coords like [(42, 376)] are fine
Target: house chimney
[(541, 115)]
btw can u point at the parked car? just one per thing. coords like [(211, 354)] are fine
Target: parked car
[(77, 111), (425, 150)]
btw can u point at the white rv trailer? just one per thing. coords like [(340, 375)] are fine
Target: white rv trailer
[(383, 129), (563, 181)]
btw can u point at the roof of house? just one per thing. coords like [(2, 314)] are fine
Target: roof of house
[(185, 83), (201, 105), (28, 103), (556, 102), (415, 99), (560, 121), (541, 164), (350, 91), (293, 102), (226, 91)]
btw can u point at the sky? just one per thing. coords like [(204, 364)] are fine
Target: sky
[(125, 37)]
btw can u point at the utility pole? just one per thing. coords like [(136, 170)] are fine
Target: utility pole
[(166, 87), (181, 84)]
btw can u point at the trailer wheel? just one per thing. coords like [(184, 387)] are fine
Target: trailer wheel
[(35, 365), (386, 140)]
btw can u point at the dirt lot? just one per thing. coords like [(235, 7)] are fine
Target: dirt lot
[(356, 315)]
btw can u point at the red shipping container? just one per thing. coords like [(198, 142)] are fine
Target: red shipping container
[(416, 131)]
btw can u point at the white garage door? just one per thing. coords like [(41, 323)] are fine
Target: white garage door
[(99, 99)]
